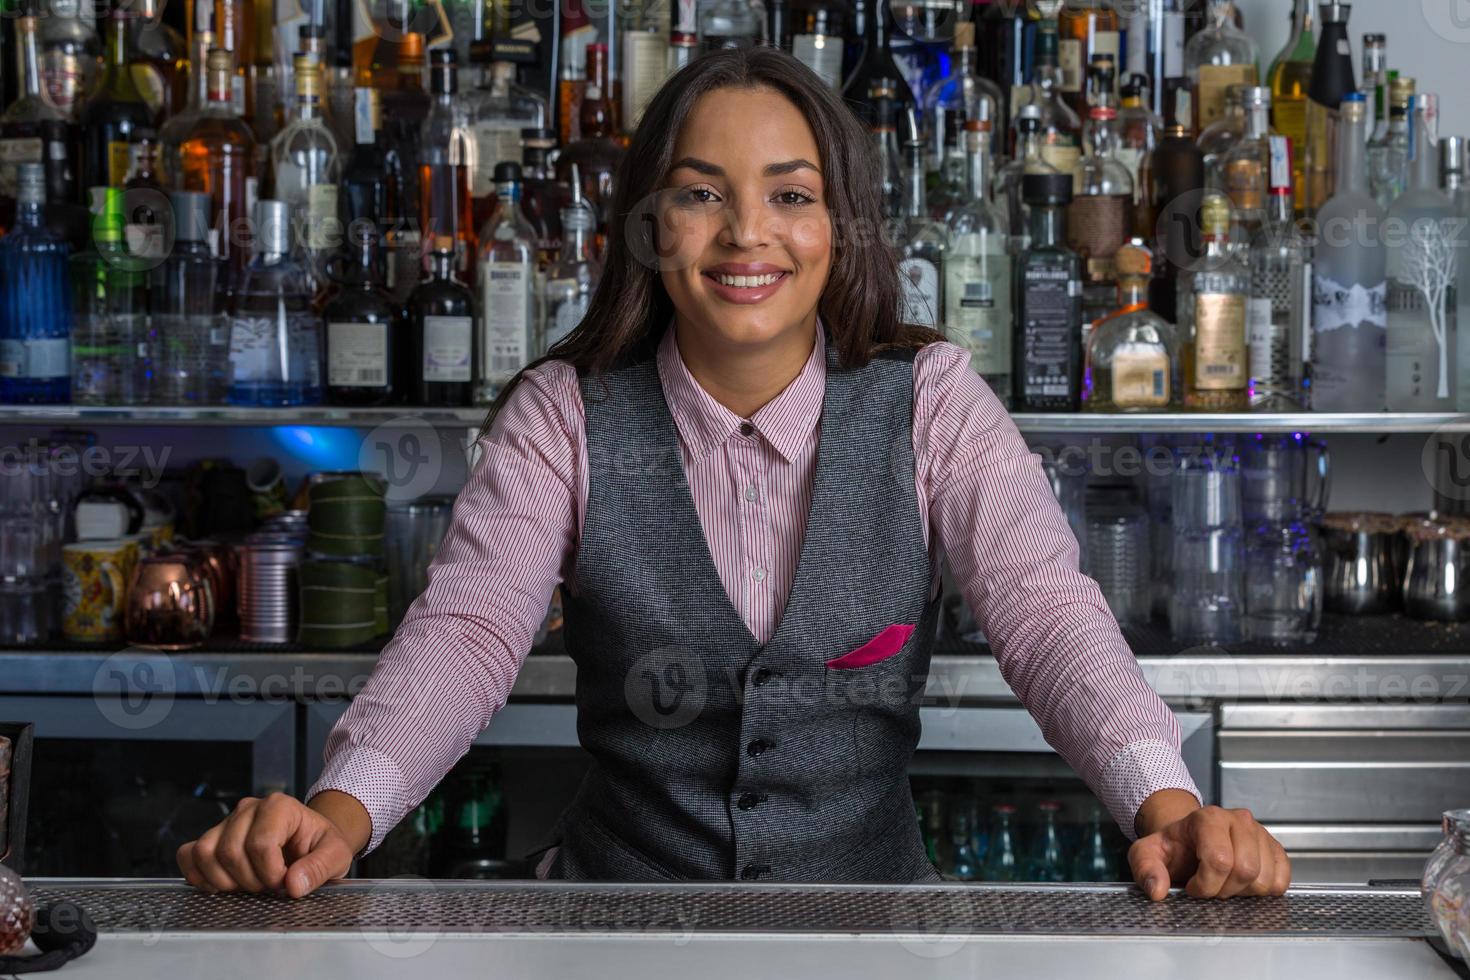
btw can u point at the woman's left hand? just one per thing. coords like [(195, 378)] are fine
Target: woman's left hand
[(1214, 853)]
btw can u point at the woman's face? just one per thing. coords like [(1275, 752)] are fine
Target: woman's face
[(745, 236)]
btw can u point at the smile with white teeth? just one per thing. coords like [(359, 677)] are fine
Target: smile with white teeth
[(746, 282)]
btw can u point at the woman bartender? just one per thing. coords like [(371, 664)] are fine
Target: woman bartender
[(744, 470)]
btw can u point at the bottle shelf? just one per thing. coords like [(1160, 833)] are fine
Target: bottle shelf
[(1317, 422)]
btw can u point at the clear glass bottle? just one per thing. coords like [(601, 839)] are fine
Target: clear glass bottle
[(572, 280), (728, 24), (1100, 217), (961, 96), (218, 159), (1332, 79), (442, 329), (1095, 861), (1245, 167), (176, 127), (33, 130), (963, 864), (1048, 353), (1349, 283), (446, 162), (1375, 82), (361, 327), (275, 337), (884, 132), (1212, 318), (509, 329), (109, 119), (1132, 355), (1028, 160), (35, 301), (1219, 136), (1139, 131), (874, 67), (307, 167), (817, 38), (1388, 157), (1422, 277), (977, 273), (1002, 862), (1281, 282), (192, 338), (498, 110), (109, 303), (921, 242), (405, 107), (1217, 57), (71, 55), (1085, 29), (1061, 130), (1044, 862), (596, 154), (1288, 78)]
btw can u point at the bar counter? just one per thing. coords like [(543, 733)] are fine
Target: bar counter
[(389, 928)]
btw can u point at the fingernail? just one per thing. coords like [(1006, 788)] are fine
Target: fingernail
[(1150, 884)]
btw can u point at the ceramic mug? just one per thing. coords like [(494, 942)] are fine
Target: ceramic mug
[(94, 585)]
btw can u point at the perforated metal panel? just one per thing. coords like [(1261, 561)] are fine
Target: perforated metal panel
[(401, 905)]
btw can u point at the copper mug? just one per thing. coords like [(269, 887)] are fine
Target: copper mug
[(170, 603)]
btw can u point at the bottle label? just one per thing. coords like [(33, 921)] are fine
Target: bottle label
[(566, 317), (357, 355), (645, 67), (1062, 156), (1174, 45), (1219, 347), (363, 128), (119, 162), (822, 53), (918, 301), (1069, 59), (1097, 225), (447, 344), (1289, 118), (1265, 361), (42, 358), (265, 351), (1210, 92), (505, 293), (1335, 306), (1051, 311), (322, 231), (13, 153), (1140, 378), (974, 316), (496, 141)]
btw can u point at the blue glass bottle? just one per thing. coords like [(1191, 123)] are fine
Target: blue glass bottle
[(35, 302)]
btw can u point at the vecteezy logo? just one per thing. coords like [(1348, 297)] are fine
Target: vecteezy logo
[(666, 688), (408, 454), (1450, 19), (134, 689), (1445, 461)]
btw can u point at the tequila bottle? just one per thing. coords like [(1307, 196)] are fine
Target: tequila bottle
[(1132, 355), (977, 274), (35, 301), (1212, 318), (509, 334), (1217, 57), (920, 241), (1349, 283), (1281, 277), (1388, 158), (1422, 277), (1048, 354), (1100, 217)]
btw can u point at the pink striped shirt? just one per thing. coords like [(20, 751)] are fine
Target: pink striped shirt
[(516, 526)]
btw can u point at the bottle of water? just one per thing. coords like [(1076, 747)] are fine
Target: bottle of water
[(35, 302)]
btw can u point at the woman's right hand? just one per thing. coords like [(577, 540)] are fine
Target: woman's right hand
[(273, 844)]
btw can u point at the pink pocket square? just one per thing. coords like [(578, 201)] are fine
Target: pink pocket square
[(881, 647)]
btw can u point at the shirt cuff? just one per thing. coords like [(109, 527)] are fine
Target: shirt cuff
[(374, 780), (1138, 772)]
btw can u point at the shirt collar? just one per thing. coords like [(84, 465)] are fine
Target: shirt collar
[(785, 422)]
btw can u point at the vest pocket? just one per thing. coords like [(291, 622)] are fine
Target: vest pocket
[(592, 852)]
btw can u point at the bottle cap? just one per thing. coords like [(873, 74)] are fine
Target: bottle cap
[(1047, 189), (1452, 156), (1400, 91), (1134, 260), (272, 227), (443, 244), (1255, 97), (31, 178), (191, 215), (964, 35), (544, 138), (507, 171)]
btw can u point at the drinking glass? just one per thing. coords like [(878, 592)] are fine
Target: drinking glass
[(1285, 477), (1118, 556), (1209, 554), (1283, 574)]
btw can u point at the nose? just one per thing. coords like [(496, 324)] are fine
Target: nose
[(745, 227)]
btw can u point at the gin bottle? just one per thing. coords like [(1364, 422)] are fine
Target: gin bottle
[(977, 273), (35, 301), (1212, 318), (109, 298), (1349, 283), (920, 241), (1281, 275), (192, 342), (1048, 355), (509, 335), (1422, 274)]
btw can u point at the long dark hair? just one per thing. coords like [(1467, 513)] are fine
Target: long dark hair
[(858, 307)]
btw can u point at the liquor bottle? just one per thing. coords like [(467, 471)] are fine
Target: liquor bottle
[(1375, 81), (571, 282), (1422, 274), (728, 24), (147, 228), (977, 272), (442, 326), (1454, 169), (1332, 78), (176, 127), (1216, 58), (71, 56), (1139, 131), (341, 88), (192, 344), (684, 33), (1048, 372), (275, 338), (1005, 35), (596, 155), (361, 327), (1179, 176), (1002, 863), (964, 865), (1245, 169), (542, 195), (1388, 157), (1061, 143), (367, 186), (498, 112), (1095, 862), (1288, 78), (509, 332), (475, 835), (599, 73), (1044, 863), (234, 29), (1027, 160), (217, 158), (447, 155), (1212, 318), (33, 130), (1087, 28), (307, 167), (1222, 134), (35, 302), (959, 97), (875, 69), (1100, 217), (1158, 31), (405, 107), (1281, 282), (884, 130), (159, 60), (109, 119), (1349, 283), (920, 241), (109, 303), (817, 33), (645, 59), (776, 32), (1132, 354)]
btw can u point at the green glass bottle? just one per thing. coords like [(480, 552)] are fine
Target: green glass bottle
[(112, 118)]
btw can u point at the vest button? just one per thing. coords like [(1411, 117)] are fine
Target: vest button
[(762, 677), (749, 801), (758, 747), (746, 429), (753, 871)]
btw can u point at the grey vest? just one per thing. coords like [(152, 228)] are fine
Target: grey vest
[(717, 757)]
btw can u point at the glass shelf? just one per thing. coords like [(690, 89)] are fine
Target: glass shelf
[(1317, 422)]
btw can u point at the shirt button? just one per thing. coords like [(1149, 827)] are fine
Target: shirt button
[(746, 429), (749, 801), (758, 747), (760, 574), (750, 493)]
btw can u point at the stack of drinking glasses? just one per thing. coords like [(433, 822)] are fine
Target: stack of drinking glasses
[(1285, 482)]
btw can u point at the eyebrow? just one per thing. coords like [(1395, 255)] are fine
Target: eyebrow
[(771, 170)]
